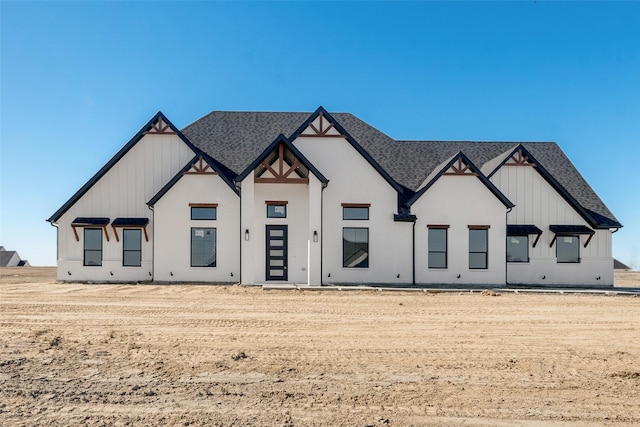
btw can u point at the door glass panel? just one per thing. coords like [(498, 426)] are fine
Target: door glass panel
[(276, 233), (277, 272), (276, 263), (276, 253), (277, 243)]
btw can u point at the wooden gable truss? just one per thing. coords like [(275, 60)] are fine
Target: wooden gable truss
[(283, 168), (519, 158), (321, 127), (201, 167), (160, 127), (460, 167)]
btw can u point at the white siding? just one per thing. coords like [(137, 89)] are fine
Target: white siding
[(353, 180), (122, 192), (538, 203), (172, 217), (460, 201)]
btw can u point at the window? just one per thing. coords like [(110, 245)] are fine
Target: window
[(203, 247), (517, 248), (131, 247), (355, 247), (355, 211), (203, 212), (478, 244), (568, 248), (437, 245), (93, 246), (276, 209)]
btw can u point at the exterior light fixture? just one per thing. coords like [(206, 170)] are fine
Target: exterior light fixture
[(315, 235), (246, 234)]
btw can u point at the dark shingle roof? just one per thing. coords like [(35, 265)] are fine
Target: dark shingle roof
[(235, 139)]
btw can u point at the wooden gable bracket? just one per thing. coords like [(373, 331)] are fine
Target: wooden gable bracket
[(555, 236), (460, 168), (144, 230), (535, 242), (519, 159), (160, 128), (131, 224), (75, 232), (280, 175), (200, 167), (323, 129)]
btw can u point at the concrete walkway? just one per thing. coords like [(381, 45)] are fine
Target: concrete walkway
[(471, 289)]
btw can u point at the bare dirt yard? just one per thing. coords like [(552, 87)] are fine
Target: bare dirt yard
[(98, 355)]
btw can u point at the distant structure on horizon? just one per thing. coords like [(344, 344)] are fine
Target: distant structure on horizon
[(319, 198), (620, 266), (11, 259)]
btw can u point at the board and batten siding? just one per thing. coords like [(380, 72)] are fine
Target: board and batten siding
[(352, 179), (121, 192), (538, 203), (460, 201)]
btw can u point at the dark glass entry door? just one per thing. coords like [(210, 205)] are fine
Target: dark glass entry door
[(276, 252)]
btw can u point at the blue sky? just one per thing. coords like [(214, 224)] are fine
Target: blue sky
[(79, 79)]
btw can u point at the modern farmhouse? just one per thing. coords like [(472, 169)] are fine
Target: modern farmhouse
[(320, 198)]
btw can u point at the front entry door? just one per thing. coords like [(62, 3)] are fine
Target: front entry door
[(276, 252)]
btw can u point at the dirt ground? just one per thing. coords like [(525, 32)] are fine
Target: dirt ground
[(98, 355)]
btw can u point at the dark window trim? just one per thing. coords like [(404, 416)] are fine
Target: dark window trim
[(124, 251), (85, 250), (446, 245), (215, 248), (577, 236), (486, 251), (368, 251), (355, 206), (270, 203), (206, 206), (528, 256)]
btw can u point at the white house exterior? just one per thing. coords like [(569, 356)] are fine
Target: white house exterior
[(319, 198)]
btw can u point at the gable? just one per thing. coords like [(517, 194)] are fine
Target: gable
[(322, 124), (201, 164), (282, 163), (234, 139), (460, 165), (167, 149), (520, 156)]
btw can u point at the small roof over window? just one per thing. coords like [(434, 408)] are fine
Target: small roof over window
[(84, 221), (130, 222), (571, 229), (89, 221), (522, 230), (567, 230)]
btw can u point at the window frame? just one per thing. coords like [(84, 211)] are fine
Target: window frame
[(560, 242), (215, 246), (201, 207), (485, 229), (125, 232), (344, 259), (517, 236), (272, 204), (356, 207), (439, 227), (84, 246)]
